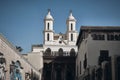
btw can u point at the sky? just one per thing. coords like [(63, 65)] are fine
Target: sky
[(22, 21)]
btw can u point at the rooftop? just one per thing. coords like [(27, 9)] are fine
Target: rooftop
[(100, 28)]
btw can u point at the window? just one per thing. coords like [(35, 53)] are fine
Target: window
[(104, 56), (48, 52), (104, 53), (48, 25), (60, 51), (72, 52), (71, 37), (117, 37), (80, 67), (113, 37), (85, 62), (48, 37), (110, 37), (71, 26), (98, 37), (60, 42)]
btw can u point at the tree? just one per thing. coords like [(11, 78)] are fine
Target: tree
[(18, 48)]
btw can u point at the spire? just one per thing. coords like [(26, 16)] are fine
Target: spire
[(71, 17), (70, 12), (49, 16), (48, 11)]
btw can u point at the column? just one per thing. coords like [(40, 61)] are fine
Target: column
[(53, 72)]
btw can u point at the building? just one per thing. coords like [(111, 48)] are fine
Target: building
[(58, 50), (52, 60), (13, 66), (98, 55)]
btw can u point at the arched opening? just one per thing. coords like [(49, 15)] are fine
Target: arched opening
[(48, 26), (71, 37), (70, 72), (2, 66), (60, 52), (72, 52), (15, 70), (85, 61), (47, 69), (71, 26), (48, 37), (18, 63), (48, 52)]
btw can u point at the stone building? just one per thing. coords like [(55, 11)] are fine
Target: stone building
[(98, 55), (58, 50), (53, 60), (13, 66)]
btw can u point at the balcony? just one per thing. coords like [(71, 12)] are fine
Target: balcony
[(56, 53)]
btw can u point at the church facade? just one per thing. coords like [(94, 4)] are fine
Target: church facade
[(59, 50)]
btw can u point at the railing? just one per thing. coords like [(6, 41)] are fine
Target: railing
[(55, 53)]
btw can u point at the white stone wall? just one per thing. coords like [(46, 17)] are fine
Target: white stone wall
[(57, 47), (69, 25), (92, 50), (50, 25), (50, 38), (10, 55), (74, 38), (38, 49), (80, 57), (36, 59), (95, 46)]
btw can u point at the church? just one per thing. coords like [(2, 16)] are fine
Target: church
[(91, 55), (53, 60), (58, 50)]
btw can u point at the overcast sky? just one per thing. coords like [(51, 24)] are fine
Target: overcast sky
[(21, 21)]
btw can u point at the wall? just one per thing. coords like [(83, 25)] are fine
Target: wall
[(11, 54)]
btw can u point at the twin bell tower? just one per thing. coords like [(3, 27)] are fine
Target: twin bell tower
[(51, 38)]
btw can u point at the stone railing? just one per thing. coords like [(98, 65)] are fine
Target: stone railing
[(55, 53)]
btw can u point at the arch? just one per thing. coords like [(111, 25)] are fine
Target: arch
[(2, 60), (85, 61), (18, 63), (60, 51), (72, 52), (48, 52), (2, 66), (15, 71), (48, 26), (71, 37), (71, 26), (48, 37), (1, 54)]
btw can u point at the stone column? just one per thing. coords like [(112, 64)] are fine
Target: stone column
[(52, 72), (65, 71)]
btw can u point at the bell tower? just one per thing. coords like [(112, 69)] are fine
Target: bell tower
[(71, 30), (48, 29)]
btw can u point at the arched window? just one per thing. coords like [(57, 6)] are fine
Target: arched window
[(80, 67), (85, 61), (72, 52), (15, 71), (48, 37), (71, 26), (18, 63), (71, 37), (60, 52), (2, 66), (48, 25), (48, 52)]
